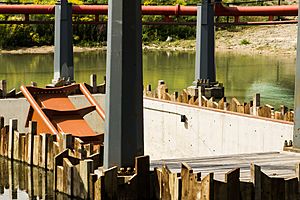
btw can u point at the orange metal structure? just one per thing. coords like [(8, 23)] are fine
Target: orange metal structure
[(220, 10), (55, 113)]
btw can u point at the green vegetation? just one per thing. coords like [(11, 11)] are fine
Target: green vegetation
[(244, 42), (95, 35)]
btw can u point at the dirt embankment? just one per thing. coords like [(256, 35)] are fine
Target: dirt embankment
[(272, 39)]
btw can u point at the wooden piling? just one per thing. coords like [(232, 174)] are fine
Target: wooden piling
[(68, 181), (232, 180), (37, 149), (3, 88), (44, 152), (207, 187), (111, 183), (86, 168), (142, 168), (93, 83), (30, 144), (13, 125), (256, 180)]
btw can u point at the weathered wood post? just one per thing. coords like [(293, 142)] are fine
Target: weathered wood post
[(63, 42), (13, 125), (124, 90)]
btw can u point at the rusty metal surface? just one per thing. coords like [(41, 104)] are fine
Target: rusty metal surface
[(55, 113), (92, 100), (38, 113)]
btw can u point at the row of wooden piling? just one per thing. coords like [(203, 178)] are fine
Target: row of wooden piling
[(190, 185), (191, 96), (78, 172)]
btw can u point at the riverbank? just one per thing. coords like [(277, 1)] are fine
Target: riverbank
[(271, 40)]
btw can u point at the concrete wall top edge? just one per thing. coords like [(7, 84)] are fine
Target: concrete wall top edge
[(219, 111)]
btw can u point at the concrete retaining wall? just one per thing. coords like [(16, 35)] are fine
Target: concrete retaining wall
[(206, 132)]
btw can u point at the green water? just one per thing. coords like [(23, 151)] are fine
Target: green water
[(242, 76)]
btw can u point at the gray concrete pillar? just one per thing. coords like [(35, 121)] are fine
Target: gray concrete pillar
[(296, 136), (205, 47), (63, 41), (124, 139)]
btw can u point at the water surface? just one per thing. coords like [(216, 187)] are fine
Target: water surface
[(242, 75)]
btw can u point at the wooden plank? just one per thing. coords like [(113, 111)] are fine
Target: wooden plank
[(221, 103), (277, 188), (220, 191), (256, 103), (190, 188), (272, 110), (30, 143), (232, 179), (93, 83), (86, 168), (175, 185), (60, 179), (186, 170), (266, 187), (22, 149), (99, 188), (247, 108), (291, 189), (58, 162), (3, 88), (277, 115), (255, 173), (67, 141), (204, 101), (142, 170), (16, 148), (207, 187), (283, 110), (50, 153), (44, 152), (93, 179), (37, 150), (157, 183), (111, 183), (79, 149), (246, 190), (68, 177), (4, 140), (234, 105), (165, 183), (13, 125), (210, 103)]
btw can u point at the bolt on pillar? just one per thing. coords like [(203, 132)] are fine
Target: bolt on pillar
[(123, 138)]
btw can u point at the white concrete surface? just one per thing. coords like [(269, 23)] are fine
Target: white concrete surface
[(206, 132)]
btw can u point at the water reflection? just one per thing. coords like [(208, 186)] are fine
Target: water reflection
[(19, 181), (242, 75)]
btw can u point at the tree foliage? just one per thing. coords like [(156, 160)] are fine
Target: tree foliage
[(89, 35)]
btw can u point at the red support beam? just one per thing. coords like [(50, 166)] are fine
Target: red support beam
[(291, 10)]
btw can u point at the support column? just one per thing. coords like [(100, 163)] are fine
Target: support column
[(205, 47), (124, 138), (296, 136), (63, 41)]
